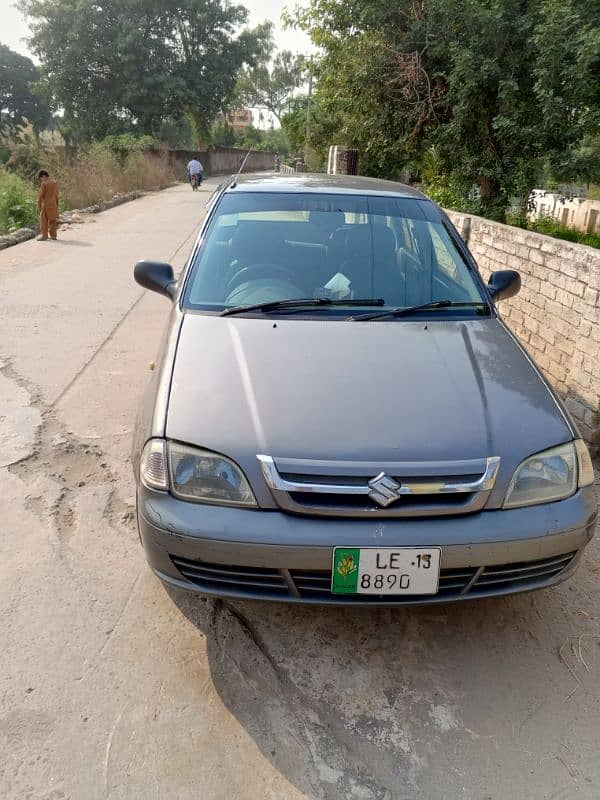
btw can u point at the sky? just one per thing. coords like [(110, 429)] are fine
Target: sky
[(13, 27)]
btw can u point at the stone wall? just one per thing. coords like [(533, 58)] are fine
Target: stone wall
[(557, 312)]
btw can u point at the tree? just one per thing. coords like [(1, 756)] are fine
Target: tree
[(497, 87), (210, 55), (272, 86), (177, 134), (293, 123), (584, 162), (275, 141), (131, 64), (223, 135), (17, 102)]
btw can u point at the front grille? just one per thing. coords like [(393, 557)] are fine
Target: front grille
[(507, 576), (220, 578), (357, 502), (349, 489), (314, 585)]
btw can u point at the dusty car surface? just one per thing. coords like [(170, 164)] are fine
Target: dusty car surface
[(339, 414)]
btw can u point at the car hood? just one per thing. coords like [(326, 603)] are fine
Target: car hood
[(385, 391)]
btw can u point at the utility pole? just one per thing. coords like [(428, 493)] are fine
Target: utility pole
[(308, 110)]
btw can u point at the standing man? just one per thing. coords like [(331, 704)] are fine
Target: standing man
[(195, 168), (47, 205)]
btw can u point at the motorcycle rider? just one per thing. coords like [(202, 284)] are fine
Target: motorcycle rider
[(195, 168)]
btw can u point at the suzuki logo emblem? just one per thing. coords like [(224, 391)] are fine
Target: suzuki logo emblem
[(384, 490)]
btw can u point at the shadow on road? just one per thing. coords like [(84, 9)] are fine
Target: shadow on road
[(385, 704), (73, 242)]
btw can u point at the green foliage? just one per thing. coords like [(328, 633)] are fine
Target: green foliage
[(275, 141), (444, 189), (550, 227), (250, 137), (27, 157), (323, 132), (501, 88), (294, 124), (271, 86), (126, 65), (223, 135), (18, 206), (583, 161), (443, 192), (125, 143), (17, 101), (177, 134)]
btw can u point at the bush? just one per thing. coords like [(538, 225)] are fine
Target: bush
[(18, 206), (27, 157), (550, 227), (96, 173), (443, 189), (442, 192), (147, 171), (124, 143)]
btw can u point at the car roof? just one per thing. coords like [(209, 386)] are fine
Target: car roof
[(303, 182)]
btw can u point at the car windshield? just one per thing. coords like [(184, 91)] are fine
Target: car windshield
[(268, 247)]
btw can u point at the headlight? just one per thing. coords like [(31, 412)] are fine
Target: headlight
[(551, 475), (206, 477)]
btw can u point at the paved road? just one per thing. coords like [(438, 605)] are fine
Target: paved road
[(112, 688)]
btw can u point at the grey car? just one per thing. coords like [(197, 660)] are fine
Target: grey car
[(339, 414)]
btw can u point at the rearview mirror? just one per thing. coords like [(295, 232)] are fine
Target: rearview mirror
[(156, 276), (503, 284)]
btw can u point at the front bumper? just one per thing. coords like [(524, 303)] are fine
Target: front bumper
[(289, 557)]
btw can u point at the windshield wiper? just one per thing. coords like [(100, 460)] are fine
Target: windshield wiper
[(275, 305), (408, 310)]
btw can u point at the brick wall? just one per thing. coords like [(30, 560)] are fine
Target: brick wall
[(557, 312)]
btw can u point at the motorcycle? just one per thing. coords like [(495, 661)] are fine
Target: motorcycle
[(195, 181)]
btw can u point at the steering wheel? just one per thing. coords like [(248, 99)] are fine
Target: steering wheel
[(256, 271)]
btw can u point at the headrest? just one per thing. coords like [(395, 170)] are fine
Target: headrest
[(330, 220), (359, 243), (384, 240)]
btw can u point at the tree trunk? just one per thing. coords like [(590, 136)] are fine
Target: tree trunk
[(493, 202)]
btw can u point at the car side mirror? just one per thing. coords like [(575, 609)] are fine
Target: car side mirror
[(156, 276), (503, 284)]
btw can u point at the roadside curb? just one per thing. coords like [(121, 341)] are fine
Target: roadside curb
[(74, 215), (16, 237)]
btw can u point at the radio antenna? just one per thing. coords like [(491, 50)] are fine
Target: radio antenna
[(242, 165)]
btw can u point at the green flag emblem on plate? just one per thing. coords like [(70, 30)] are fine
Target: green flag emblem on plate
[(346, 562)]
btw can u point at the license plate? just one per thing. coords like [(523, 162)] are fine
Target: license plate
[(385, 570)]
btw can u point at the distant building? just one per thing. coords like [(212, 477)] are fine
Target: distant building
[(240, 119)]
